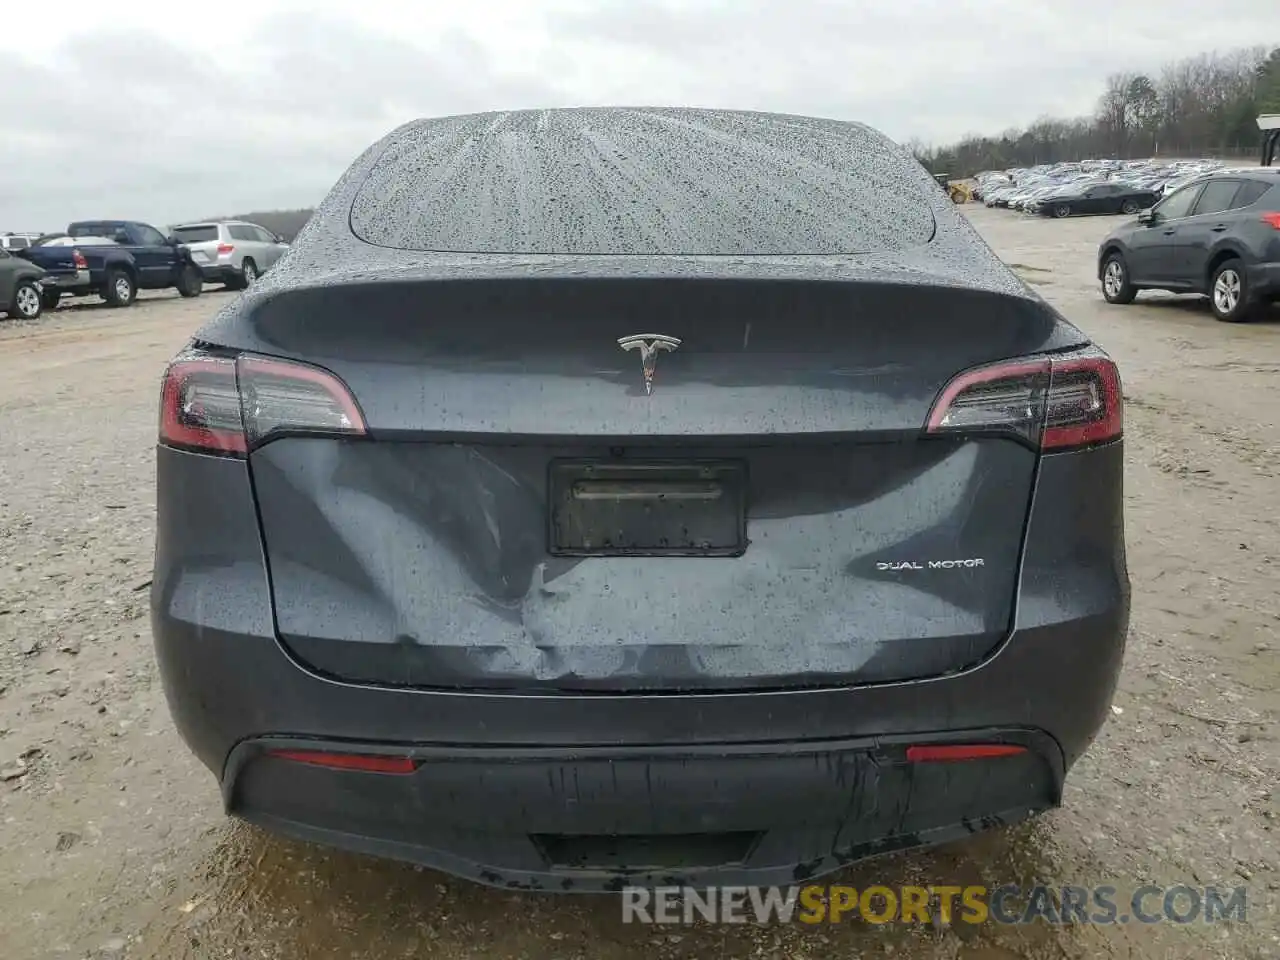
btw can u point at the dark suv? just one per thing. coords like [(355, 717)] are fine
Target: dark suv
[(1218, 236)]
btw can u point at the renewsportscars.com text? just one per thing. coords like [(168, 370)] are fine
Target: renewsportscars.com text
[(1007, 904)]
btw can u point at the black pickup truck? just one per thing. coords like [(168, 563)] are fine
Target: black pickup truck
[(114, 259)]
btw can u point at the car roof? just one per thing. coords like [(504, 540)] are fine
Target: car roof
[(1263, 174), (218, 223)]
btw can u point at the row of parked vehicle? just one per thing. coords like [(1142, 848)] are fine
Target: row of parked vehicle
[(1088, 187), (115, 259)]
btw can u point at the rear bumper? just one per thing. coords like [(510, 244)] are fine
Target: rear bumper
[(525, 789), (72, 283), (1264, 279), (218, 272), (592, 819), (749, 789)]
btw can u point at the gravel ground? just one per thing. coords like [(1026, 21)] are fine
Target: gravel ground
[(112, 842)]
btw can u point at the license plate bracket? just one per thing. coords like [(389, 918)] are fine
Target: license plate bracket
[(647, 509)]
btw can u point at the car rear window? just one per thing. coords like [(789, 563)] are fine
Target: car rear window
[(600, 181), (200, 234)]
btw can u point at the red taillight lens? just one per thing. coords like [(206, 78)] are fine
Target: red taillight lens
[(228, 406), (200, 406), (1085, 405), (366, 762), (1004, 396), (1272, 219), (78, 259), (1054, 402), (225, 249), (951, 752)]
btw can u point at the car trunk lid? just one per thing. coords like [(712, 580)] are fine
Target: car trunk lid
[(523, 515)]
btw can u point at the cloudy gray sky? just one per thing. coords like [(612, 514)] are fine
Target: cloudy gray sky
[(185, 110)]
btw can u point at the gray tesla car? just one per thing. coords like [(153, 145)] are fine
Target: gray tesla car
[(636, 496)]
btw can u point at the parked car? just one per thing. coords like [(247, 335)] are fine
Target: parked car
[(1031, 201), (1218, 236), (565, 550), (997, 196), (63, 275), (16, 241), (232, 252), (115, 259), (1025, 188), (21, 287), (1095, 198)]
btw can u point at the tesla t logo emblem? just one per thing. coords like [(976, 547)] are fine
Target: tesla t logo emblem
[(648, 344)]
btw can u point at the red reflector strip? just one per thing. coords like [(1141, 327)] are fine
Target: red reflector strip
[(366, 762), (962, 751)]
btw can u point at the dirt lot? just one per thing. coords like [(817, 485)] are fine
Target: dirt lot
[(112, 842)]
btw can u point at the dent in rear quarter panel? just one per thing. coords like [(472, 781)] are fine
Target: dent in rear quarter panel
[(1074, 573), (210, 578)]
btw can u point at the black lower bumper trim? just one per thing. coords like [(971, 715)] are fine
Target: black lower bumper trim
[(599, 819), (1264, 279)]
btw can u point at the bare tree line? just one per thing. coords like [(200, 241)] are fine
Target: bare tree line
[(1199, 106)]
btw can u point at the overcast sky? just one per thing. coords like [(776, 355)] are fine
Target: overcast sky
[(185, 110)]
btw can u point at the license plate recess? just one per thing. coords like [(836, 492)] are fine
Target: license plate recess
[(650, 509)]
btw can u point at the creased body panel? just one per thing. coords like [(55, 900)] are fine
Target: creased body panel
[(426, 554), (427, 564)]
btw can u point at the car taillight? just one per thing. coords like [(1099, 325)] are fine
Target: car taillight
[(1272, 219), (225, 249), (1054, 402), (228, 406), (78, 259)]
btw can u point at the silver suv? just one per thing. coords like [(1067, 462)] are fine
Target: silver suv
[(232, 252)]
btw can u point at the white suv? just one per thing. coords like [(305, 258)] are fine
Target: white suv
[(17, 241)]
